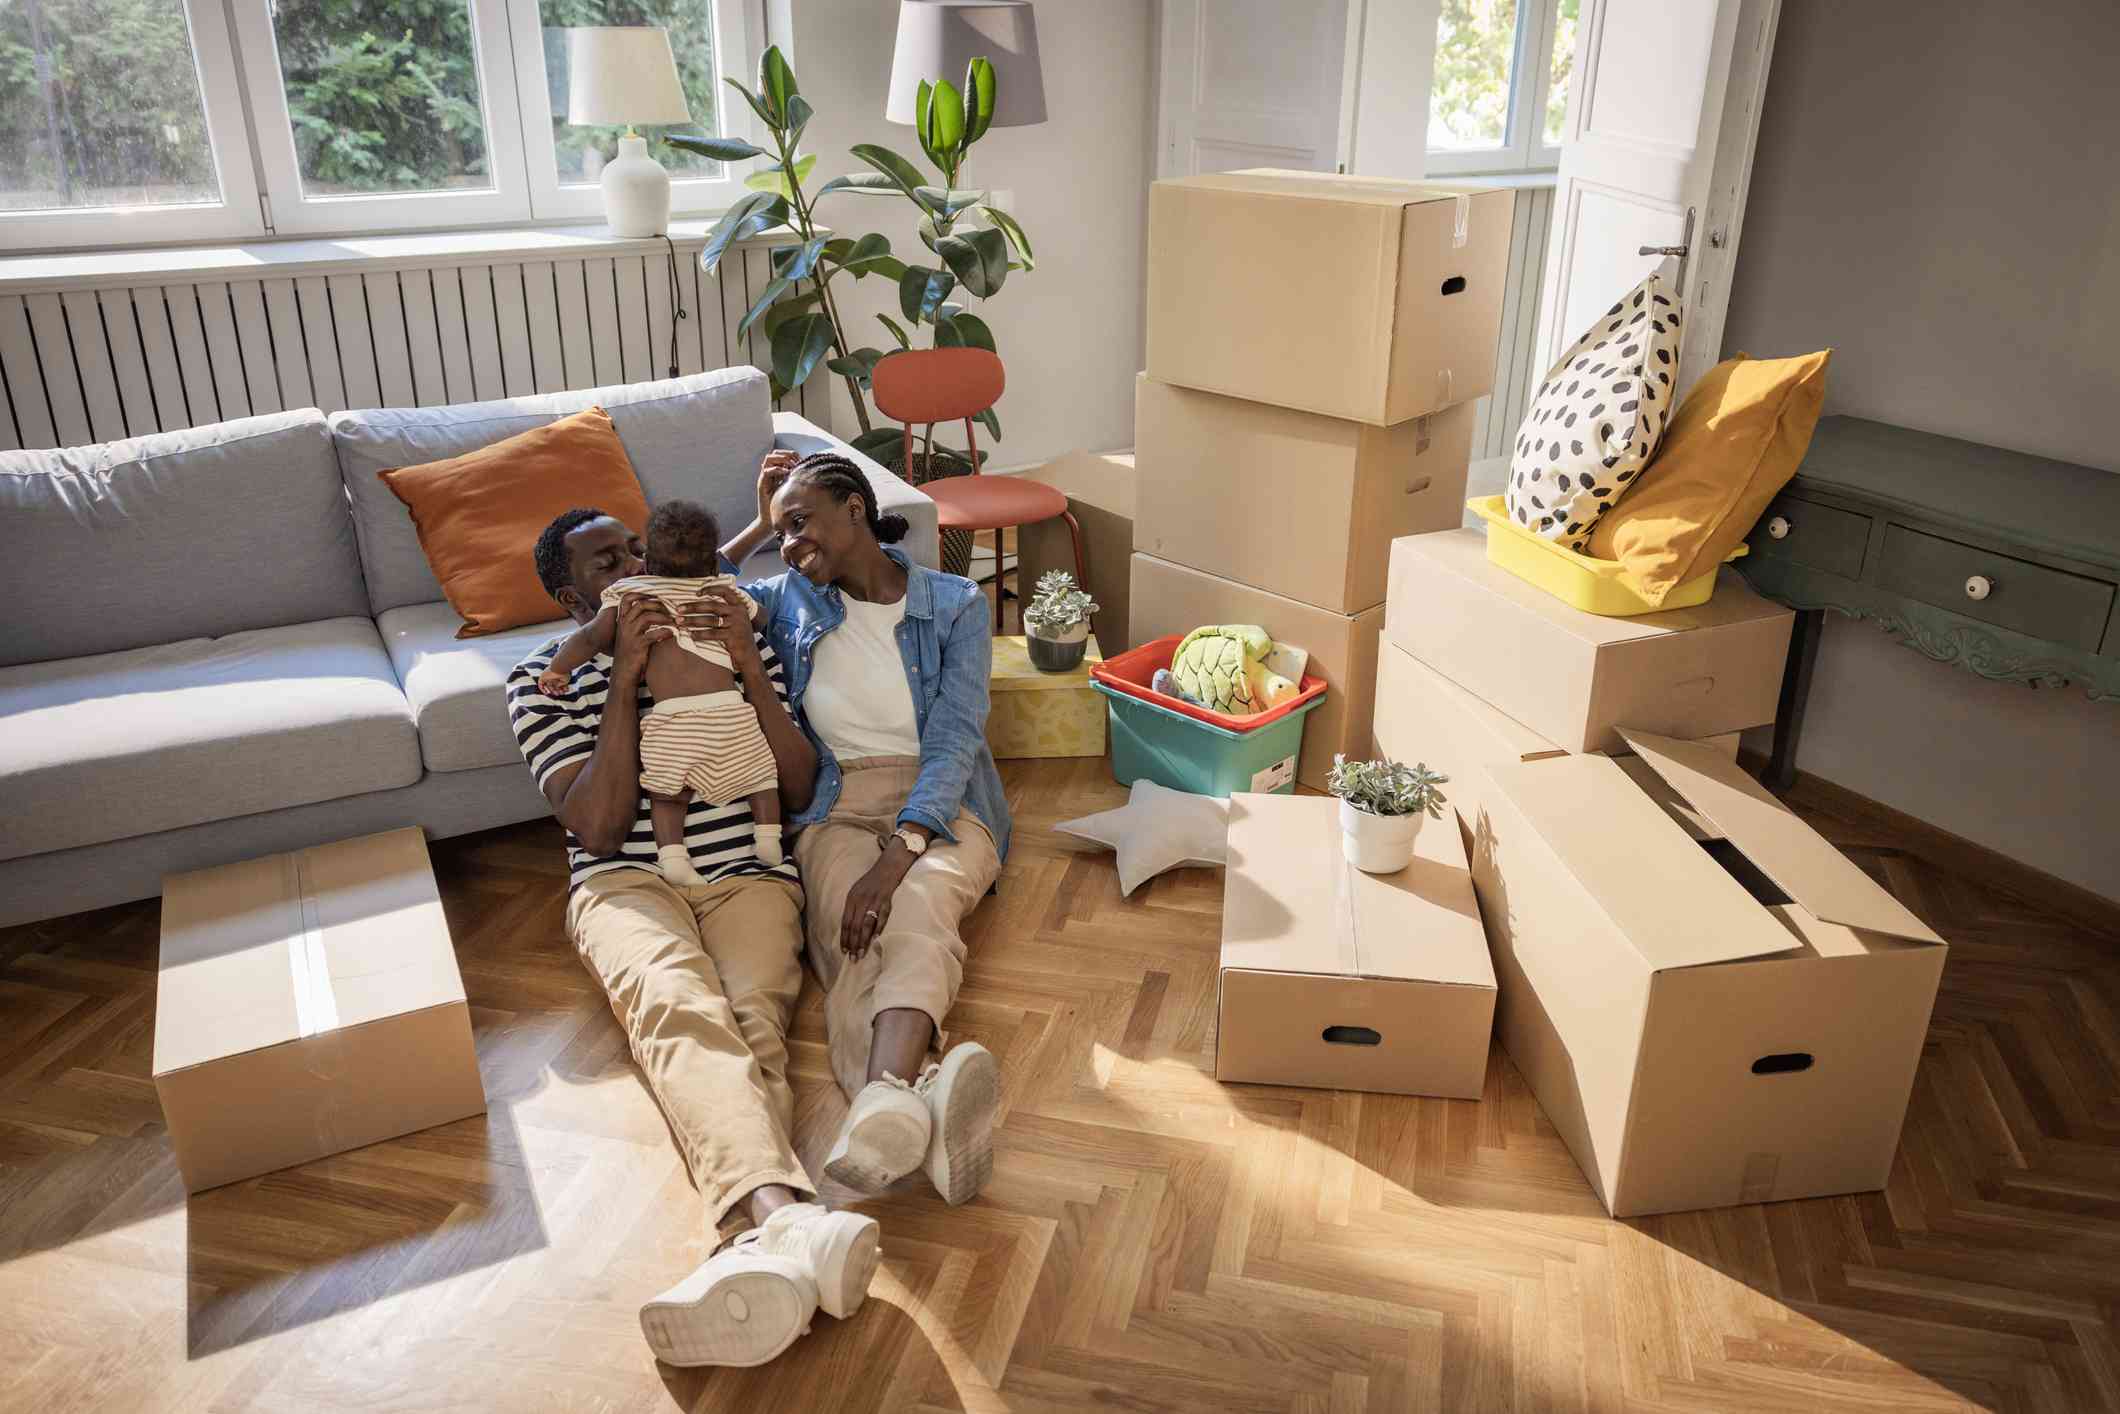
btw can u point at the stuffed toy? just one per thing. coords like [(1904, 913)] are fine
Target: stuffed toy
[(1223, 668)]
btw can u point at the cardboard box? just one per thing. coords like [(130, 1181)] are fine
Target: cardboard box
[(1170, 598), (1344, 980), (1303, 505), (1035, 713), (1735, 1019), (1576, 678), (1354, 297), (1100, 491), (1420, 715), (308, 1003)]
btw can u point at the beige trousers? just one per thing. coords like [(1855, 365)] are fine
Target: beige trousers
[(704, 981), (918, 960)]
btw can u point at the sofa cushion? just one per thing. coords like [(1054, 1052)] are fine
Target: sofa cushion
[(191, 534), (458, 686), (122, 744), (700, 437)]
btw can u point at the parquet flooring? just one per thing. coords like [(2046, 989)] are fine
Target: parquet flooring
[(1151, 1241)]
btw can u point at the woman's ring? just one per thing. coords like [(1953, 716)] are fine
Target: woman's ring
[(874, 914)]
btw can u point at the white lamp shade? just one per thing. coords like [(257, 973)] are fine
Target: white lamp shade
[(937, 38), (623, 75)]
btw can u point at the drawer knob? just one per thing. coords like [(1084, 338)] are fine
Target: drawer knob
[(1778, 527), (1978, 586)]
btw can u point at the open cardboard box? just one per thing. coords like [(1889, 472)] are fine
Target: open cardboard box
[(1712, 1004)]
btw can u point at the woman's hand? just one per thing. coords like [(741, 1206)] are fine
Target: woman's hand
[(772, 475), (868, 906), (724, 616)]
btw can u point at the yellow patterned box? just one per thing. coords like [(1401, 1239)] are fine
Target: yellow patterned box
[(1042, 714)]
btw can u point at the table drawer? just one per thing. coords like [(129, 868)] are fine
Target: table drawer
[(2031, 599), (1822, 537)]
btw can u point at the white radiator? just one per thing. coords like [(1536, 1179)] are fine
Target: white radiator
[(1516, 374), (103, 355)]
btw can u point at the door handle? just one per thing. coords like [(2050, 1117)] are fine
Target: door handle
[(1683, 250)]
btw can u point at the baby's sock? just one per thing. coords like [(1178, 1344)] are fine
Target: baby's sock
[(768, 846), (675, 861)]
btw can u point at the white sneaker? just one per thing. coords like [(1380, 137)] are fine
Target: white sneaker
[(839, 1251), (962, 1091), (741, 1307), (884, 1139)]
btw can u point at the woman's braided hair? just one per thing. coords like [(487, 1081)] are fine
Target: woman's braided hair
[(839, 478)]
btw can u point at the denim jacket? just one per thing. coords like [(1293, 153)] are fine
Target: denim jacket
[(948, 649)]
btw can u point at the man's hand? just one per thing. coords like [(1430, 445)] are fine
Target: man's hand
[(772, 475), (723, 614), (868, 906), (642, 623)]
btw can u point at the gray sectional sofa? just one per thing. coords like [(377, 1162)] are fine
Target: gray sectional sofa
[(223, 642)]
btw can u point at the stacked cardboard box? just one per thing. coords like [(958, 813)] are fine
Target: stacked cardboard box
[(1315, 345), (1712, 1005)]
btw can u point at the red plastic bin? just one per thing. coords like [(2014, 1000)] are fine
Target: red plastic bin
[(1132, 671)]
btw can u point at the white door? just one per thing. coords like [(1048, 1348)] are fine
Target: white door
[(1249, 83), (1662, 121)]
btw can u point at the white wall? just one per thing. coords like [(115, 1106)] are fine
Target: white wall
[(1070, 332), (1935, 197)]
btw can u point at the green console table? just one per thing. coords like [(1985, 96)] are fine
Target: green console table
[(2003, 564)]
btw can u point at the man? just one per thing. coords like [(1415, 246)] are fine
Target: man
[(702, 977)]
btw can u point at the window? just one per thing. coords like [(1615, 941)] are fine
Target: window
[(121, 121), (1499, 99)]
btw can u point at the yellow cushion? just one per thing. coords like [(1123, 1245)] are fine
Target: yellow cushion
[(1733, 444), (479, 515)]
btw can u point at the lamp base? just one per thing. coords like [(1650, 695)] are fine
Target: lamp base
[(636, 192)]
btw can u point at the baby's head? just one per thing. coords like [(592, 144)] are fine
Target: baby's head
[(683, 541)]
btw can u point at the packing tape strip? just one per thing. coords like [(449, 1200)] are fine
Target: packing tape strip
[(316, 1007), (1463, 217), (1343, 909)]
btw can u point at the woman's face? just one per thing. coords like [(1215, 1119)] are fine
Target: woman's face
[(817, 533)]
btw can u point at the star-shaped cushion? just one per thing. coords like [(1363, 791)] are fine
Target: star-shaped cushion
[(1157, 829)]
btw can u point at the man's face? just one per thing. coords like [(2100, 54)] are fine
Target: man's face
[(600, 552)]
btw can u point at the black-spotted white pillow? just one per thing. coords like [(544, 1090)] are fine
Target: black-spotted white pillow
[(1597, 418)]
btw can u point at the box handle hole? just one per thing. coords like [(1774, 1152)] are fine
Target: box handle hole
[(1353, 1036), (1786, 1063), (1455, 285)]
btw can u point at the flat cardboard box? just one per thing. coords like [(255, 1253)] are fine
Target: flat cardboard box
[(1100, 491), (1706, 1022), (1420, 715), (1034, 713), (1344, 980), (1170, 598), (308, 1003), (1303, 505), (1354, 297), (1576, 678)]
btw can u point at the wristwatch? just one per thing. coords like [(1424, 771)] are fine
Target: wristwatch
[(915, 843)]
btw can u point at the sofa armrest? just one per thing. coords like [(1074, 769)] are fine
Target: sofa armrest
[(923, 541)]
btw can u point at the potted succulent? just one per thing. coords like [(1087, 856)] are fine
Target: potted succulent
[(1382, 804), (1056, 622)]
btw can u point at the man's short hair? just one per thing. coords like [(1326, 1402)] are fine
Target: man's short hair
[(554, 571)]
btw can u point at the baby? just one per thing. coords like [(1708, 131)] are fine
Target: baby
[(701, 737)]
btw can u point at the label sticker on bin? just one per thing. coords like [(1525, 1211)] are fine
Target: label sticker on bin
[(1273, 777)]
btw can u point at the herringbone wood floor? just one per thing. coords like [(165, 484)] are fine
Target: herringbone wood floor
[(1151, 1240)]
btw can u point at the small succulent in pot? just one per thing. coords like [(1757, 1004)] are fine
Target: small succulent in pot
[(1382, 805), (1056, 622)]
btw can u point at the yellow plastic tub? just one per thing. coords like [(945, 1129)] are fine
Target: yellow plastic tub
[(1592, 585)]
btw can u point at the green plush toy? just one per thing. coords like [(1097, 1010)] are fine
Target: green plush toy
[(1223, 667)]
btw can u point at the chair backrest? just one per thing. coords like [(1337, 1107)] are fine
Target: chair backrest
[(937, 385)]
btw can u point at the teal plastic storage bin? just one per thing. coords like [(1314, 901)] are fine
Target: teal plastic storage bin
[(1185, 751)]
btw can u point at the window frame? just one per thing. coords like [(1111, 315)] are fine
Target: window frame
[(238, 213), (1524, 147)]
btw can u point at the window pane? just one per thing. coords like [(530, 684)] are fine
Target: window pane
[(1563, 69), (99, 106), (582, 152), (384, 95), (1468, 108)]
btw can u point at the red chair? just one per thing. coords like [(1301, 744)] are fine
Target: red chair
[(943, 385)]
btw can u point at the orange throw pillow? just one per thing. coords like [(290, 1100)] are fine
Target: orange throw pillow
[(479, 515), (1732, 445)]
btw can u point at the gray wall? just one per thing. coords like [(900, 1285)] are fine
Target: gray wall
[(1938, 199)]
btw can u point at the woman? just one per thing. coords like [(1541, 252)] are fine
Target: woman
[(886, 667)]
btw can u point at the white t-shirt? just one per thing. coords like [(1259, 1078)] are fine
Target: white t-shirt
[(858, 700)]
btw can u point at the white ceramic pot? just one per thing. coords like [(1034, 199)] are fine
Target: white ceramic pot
[(1377, 844)]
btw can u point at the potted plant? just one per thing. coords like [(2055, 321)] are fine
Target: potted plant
[(1056, 623), (1382, 804)]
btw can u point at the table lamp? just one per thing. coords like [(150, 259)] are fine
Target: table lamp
[(937, 38), (627, 75)]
